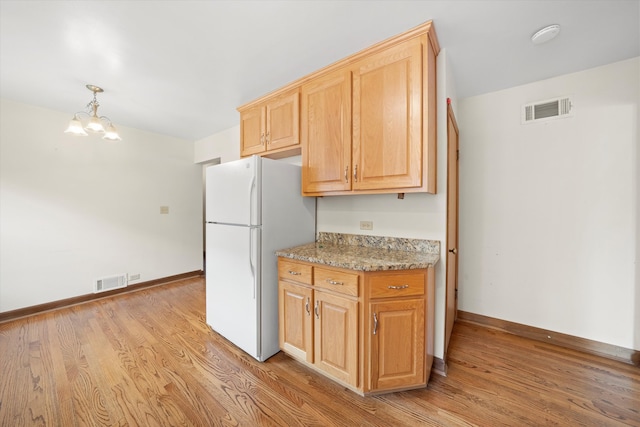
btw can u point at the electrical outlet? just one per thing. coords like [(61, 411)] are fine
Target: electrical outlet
[(366, 225), (134, 277)]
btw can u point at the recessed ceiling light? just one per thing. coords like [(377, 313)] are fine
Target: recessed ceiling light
[(545, 34)]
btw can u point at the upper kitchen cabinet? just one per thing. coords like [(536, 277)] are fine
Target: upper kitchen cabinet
[(387, 112), (369, 121), (364, 125), (326, 132), (271, 126)]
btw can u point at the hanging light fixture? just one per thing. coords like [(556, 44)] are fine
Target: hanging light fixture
[(95, 124)]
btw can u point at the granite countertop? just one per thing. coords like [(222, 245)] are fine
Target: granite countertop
[(366, 253)]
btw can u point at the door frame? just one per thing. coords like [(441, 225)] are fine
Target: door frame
[(453, 146), (206, 165)]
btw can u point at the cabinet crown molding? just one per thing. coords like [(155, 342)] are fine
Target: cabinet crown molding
[(420, 30)]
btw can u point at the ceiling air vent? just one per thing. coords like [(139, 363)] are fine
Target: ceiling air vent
[(547, 110), (108, 283)]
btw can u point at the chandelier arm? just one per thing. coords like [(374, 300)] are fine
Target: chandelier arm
[(84, 113), (109, 122), (79, 113)]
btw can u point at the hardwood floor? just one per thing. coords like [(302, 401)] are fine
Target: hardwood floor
[(148, 359)]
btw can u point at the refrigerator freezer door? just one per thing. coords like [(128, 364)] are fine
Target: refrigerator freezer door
[(233, 191), (232, 291)]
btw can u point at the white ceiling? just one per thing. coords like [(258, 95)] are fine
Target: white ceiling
[(181, 68)]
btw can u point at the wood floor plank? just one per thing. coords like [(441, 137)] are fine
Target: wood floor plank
[(147, 358), (61, 389), (42, 371)]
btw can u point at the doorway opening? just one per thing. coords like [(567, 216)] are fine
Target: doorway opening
[(205, 166)]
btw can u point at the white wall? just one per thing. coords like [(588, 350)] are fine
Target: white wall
[(73, 209), (548, 211), (224, 145)]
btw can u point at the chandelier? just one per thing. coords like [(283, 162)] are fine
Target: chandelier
[(95, 124)]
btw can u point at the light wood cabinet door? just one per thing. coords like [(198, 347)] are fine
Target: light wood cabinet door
[(296, 320), (336, 336), (283, 121), (387, 118), (272, 125), (326, 133), (397, 329), (252, 131)]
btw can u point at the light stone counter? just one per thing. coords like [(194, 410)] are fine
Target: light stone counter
[(366, 253)]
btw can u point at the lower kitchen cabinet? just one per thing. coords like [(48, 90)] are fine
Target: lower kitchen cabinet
[(336, 336), (397, 344), (295, 321), (319, 327), (370, 331)]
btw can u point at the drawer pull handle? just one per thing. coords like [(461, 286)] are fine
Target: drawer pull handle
[(405, 286), (375, 324), (333, 282), (295, 273), (315, 310), (306, 306)]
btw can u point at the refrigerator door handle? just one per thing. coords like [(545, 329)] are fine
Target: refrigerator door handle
[(252, 188), (251, 266)]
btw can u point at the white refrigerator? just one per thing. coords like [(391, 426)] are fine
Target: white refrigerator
[(253, 207)]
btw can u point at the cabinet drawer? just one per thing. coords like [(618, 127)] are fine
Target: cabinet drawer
[(291, 270), (396, 285), (337, 281)]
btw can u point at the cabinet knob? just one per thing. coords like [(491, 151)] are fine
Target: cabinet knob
[(453, 251), (346, 174), (355, 173), (306, 307)]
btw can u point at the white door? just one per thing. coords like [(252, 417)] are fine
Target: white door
[(232, 192), (232, 284)]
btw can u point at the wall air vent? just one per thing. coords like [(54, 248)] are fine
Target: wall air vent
[(547, 110), (108, 283)]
